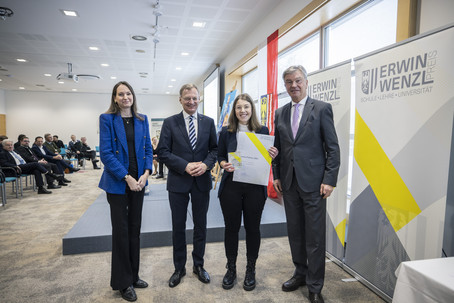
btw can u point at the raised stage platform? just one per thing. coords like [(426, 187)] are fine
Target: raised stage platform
[(92, 233)]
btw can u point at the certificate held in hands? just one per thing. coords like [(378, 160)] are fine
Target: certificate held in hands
[(251, 160)]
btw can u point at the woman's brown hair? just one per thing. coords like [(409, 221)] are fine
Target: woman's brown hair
[(253, 123), (115, 109)]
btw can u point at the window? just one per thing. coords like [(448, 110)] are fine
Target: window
[(370, 27), (249, 84)]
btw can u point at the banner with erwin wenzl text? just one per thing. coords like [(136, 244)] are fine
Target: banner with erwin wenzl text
[(333, 85), (403, 132)]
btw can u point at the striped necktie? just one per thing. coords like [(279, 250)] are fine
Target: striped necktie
[(192, 137)]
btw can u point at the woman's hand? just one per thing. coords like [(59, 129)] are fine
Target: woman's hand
[(133, 184), (228, 167), (273, 151)]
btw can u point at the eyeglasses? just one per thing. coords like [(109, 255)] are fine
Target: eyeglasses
[(290, 82)]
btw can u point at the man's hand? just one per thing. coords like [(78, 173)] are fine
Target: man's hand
[(196, 169), (57, 157), (326, 190), (277, 185)]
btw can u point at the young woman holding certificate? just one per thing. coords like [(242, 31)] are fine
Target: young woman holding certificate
[(239, 198)]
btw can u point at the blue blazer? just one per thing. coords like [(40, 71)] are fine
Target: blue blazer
[(49, 156), (227, 144), (175, 151), (113, 149)]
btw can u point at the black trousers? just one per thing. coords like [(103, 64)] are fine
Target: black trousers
[(90, 154), (306, 228), (36, 169), (126, 217), (179, 206), (247, 200)]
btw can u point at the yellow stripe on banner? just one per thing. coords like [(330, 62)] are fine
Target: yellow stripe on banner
[(393, 195), (260, 147), (340, 230), (235, 156)]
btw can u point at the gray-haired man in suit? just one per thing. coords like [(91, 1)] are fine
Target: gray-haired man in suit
[(305, 172)]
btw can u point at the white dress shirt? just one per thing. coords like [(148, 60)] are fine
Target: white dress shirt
[(194, 120)]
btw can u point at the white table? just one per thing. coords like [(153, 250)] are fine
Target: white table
[(425, 281)]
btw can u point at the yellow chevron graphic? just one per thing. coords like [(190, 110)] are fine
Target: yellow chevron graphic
[(259, 146), (340, 230), (395, 198)]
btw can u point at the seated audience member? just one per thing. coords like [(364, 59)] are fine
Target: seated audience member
[(72, 142), (29, 156), (84, 151), (50, 144), (57, 142), (19, 138), (43, 153), (2, 137), (10, 158)]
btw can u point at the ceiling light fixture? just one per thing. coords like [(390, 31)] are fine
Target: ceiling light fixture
[(5, 12), (104, 64), (113, 77), (74, 89), (185, 54), (157, 9), (173, 80), (93, 48), (139, 38), (61, 82), (170, 86), (21, 87), (199, 24), (21, 60), (69, 13), (48, 75), (167, 93), (178, 68)]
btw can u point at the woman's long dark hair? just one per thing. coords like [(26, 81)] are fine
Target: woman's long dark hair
[(253, 123), (115, 109)]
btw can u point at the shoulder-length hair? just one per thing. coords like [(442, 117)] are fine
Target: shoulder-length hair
[(253, 123), (115, 109)]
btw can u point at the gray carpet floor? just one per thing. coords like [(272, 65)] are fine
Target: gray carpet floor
[(33, 269)]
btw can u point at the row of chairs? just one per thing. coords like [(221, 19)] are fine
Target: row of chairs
[(16, 183)]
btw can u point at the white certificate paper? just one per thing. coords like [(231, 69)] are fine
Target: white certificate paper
[(255, 161)]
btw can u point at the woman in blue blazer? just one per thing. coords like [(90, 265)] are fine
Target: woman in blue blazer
[(126, 151), (239, 198)]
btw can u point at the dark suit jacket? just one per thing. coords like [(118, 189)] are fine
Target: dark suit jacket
[(314, 153), (175, 151), (27, 154), (113, 147), (48, 156), (6, 160), (227, 144)]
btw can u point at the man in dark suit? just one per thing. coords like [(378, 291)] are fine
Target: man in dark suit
[(42, 152), (10, 158), (29, 156), (188, 147), (305, 171), (84, 151)]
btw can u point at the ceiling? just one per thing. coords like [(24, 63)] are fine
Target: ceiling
[(41, 34)]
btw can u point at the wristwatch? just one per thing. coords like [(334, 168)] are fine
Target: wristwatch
[(125, 177)]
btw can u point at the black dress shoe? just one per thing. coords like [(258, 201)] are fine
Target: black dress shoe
[(316, 298), (55, 176), (73, 169), (96, 167), (140, 284), (201, 273), (176, 277), (129, 294), (159, 176), (294, 283), (42, 190), (66, 180), (53, 186), (62, 183)]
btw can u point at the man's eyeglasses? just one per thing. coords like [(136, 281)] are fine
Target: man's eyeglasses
[(290, 82)]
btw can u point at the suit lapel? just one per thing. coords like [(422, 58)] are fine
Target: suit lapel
[(182, 126), (306, 112), (138, 134), (120, 131)]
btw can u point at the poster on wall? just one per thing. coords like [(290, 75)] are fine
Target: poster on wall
[(226, 109), (403, 130), (333, 85), (155, 127), (263, 109)]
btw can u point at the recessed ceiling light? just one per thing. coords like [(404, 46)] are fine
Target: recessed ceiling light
[(113, 77), (199, 24), (61, 82), (21, 60), (48, 75), (104, 64), (1, 80), (185, 54), (167, 93), (93, 48), (69, 13), (139, 38), (170, 86), (140, 51), (74, 89), (173, 80), (21, 87), (178, 68)]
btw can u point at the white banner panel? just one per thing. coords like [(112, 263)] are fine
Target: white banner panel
[(403, 131), (333, 85)]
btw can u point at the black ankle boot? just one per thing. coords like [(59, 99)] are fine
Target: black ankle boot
[(249, 279), (230, 275)]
